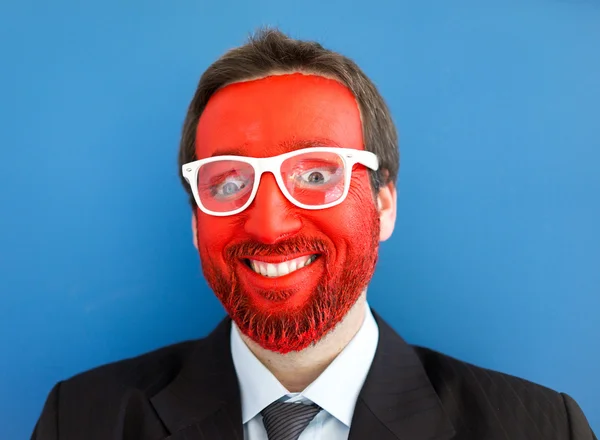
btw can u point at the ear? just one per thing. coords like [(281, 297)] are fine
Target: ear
[(386, 203), (195, 230)]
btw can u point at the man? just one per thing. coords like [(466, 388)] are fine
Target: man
[(290, 159)]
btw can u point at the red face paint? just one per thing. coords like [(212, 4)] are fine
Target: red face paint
[(262, 118)]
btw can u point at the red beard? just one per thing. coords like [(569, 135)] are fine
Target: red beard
[(336, 292)]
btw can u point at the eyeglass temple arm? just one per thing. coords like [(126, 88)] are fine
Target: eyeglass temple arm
[(368, 159)]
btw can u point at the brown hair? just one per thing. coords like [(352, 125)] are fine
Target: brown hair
[(269, 51)]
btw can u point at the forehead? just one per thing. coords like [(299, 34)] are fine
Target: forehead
[(271, 115)]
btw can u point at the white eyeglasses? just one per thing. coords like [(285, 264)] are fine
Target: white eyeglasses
[(310, 178)]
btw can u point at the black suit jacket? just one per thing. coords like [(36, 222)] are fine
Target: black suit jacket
[(190, 391)]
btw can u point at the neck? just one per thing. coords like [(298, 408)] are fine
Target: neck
[(296, 370)]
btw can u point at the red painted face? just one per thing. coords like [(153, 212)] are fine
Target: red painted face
[(263, 118)]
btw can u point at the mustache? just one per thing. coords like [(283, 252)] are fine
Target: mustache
[(289, 246)]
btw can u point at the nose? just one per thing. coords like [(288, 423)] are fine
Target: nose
[(270, 217)]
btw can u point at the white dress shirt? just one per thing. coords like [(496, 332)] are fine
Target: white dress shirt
[(335, 390)]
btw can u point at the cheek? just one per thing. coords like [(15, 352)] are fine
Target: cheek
[(214, 233), (359, 203), (360, 186), (351, 222)]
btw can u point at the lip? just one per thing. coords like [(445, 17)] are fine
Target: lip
[(275, 259)]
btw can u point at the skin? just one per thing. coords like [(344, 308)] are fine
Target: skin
[(285, 320)]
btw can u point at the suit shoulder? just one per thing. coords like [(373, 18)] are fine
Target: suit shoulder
[(470, 393), (148, 372), (97, 403), (443, 370)]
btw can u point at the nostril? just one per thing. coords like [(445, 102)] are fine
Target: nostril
[(269, 224)]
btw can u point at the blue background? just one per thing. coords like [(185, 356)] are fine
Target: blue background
[(496, 254)]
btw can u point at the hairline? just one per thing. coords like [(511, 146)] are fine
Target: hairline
[(306, 72)]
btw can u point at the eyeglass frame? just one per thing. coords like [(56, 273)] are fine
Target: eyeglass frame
[(272, 164)]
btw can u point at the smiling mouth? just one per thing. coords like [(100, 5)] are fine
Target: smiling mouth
[(275, 270)]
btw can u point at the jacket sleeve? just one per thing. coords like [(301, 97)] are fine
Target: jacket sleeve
[(578, 424), (46, 427)]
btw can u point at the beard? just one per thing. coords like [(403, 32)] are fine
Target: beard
[(296, 328)]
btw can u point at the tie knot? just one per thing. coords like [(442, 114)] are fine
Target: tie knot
[(286, 421)]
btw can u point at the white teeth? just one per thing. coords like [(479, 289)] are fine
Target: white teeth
[(283, 268), (271, 270)]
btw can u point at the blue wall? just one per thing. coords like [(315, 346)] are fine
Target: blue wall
[(496, 254)]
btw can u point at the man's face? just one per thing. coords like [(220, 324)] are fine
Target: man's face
[(334, 249)]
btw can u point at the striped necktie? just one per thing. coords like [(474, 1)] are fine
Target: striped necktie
[(286, 421)]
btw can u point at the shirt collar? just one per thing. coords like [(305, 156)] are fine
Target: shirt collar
[(335, 390), (258, 387)]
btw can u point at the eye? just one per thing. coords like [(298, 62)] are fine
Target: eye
[(319, 176), (231, 187)]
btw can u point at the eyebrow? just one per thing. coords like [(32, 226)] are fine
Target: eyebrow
[(282, 147), (307, 143), (237, 151)]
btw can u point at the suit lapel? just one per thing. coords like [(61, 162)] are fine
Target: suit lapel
[(203, 402), (397, 400)]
